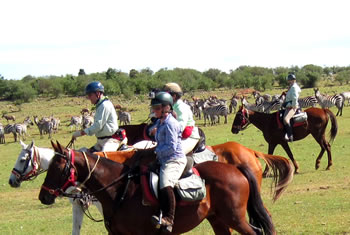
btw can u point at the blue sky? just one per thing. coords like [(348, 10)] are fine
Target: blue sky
[(60, 37)]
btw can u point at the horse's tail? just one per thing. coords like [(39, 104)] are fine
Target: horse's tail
[(334, 128), (258, 216), (283, 172)]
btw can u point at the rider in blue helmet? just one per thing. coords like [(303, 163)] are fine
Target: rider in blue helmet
[(105, 120)]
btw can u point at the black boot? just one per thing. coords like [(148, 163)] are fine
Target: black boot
[(167, 206), (289, 132)]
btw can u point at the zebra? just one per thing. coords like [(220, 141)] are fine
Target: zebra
[(55, 124), (44, 126), (198, 108), (329, 101), (233, 104), (75, 121), (274, 105), (2, 134), (214, 113), (10, 128), (306, 102), (346, 96), (21, 128), (266, 97), (124, 117), (252, 107), (87, 121)]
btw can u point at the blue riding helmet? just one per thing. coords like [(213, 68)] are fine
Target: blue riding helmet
[(92, 87)]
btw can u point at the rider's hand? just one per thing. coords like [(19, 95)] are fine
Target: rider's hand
[(76, 135), (153, 132)]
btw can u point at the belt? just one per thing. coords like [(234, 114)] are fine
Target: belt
[(104, 137)]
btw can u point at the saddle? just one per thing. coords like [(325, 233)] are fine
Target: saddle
[(299, 118), (189, 190)]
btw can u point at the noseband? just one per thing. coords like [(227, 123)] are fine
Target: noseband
[(68, 172), (31, 175), (245, 119)]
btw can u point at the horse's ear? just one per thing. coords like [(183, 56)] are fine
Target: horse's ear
[(24, 146), (54, 146), (31, 145), (60, 147)]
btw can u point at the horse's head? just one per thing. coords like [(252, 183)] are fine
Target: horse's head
[(24, 165), (241, 120), (60, 175)]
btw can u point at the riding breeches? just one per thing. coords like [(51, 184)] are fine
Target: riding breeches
[(188, 144), (288, 114), (107, 145), (171, 171)]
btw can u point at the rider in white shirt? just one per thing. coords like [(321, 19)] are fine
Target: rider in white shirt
[(105, 120)]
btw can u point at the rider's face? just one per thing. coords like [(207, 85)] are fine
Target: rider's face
[(92, 97), (157, 110)]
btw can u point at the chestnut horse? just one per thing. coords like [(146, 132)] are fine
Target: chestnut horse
[(231, 192), (229, 152), (316, 126)]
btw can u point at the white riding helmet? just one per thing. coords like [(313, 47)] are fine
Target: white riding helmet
[(173, 87)]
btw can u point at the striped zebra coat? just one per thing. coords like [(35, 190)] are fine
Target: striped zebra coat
[(329, 101), (75, 121), (214, 113), (44, 126), (346, 96), (233, 104), (21, 128), (306, 102), (11, 128), (87, 121), (2, 134)]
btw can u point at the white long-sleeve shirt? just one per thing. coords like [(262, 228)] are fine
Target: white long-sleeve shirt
[(106, 120), (293, 95)]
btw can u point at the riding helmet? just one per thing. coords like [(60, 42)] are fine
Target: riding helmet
[(173, 87), (291, 77), (163, 98), (93, 87)]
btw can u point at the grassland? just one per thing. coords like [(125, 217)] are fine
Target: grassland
[(316, 202)]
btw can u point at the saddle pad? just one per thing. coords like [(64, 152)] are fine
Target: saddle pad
[(204, 156), (280, 124)]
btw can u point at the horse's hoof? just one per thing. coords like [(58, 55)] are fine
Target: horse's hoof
[(317, 166)]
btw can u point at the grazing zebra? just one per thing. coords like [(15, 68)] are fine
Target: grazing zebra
[(44, 126), (266, 97), (233, 104), (87, 121), (9, 117), (329, 101), (10, 128), (124, 117), (75, 121), (198, 108), (346, 96), (2, 134), (21, 128), (309, 101), (274, 105), (214, 113)]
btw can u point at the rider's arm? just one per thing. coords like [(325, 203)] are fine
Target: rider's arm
[(169, 144), (100, 120), (295, 96)]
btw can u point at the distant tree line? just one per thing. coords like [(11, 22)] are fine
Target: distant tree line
[(142, 81)]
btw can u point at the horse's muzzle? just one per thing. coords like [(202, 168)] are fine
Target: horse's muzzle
[(235, 130), (14, 183), (46, 198)]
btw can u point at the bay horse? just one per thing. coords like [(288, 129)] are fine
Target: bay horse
[(268, 123), (232, 153), (231, 192)]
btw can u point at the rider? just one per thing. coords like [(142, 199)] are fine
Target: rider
[(105, 121), (184, 115), (291, 105), (169, 154)]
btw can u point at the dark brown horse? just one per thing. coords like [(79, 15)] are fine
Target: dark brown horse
[(232, 153), (316, 126), (231, 192)]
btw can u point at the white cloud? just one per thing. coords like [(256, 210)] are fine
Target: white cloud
[(46, 37)]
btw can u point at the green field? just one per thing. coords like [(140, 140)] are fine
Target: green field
[(316, 202)]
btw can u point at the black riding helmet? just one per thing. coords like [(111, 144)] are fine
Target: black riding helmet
[(163, 98), (291, 77)]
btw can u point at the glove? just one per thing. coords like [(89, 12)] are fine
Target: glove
[(76, 135)]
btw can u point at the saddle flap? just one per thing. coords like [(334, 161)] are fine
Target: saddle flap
[(153, 182)]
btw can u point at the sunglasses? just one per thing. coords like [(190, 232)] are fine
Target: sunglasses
[(156, 108)]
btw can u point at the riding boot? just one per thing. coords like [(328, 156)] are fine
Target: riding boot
[(167, 206), (289, 132)]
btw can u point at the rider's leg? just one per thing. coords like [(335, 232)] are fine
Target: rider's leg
[(286, 121), (188, 144), (107, 145)]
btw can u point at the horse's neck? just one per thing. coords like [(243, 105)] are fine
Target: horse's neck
[(45, 156), (260, 120)]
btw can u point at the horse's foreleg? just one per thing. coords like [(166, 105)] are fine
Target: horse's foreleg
[(218, 226), (78, 215), (291, 157), (270, 151), (98, 206)]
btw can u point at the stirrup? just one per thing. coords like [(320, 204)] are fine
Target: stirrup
[(157, 220)]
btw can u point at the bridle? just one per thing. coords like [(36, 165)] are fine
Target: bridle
[(31, 175), (69, 172), (245, 118)]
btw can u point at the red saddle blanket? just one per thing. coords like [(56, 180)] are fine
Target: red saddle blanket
[(148, 196)]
